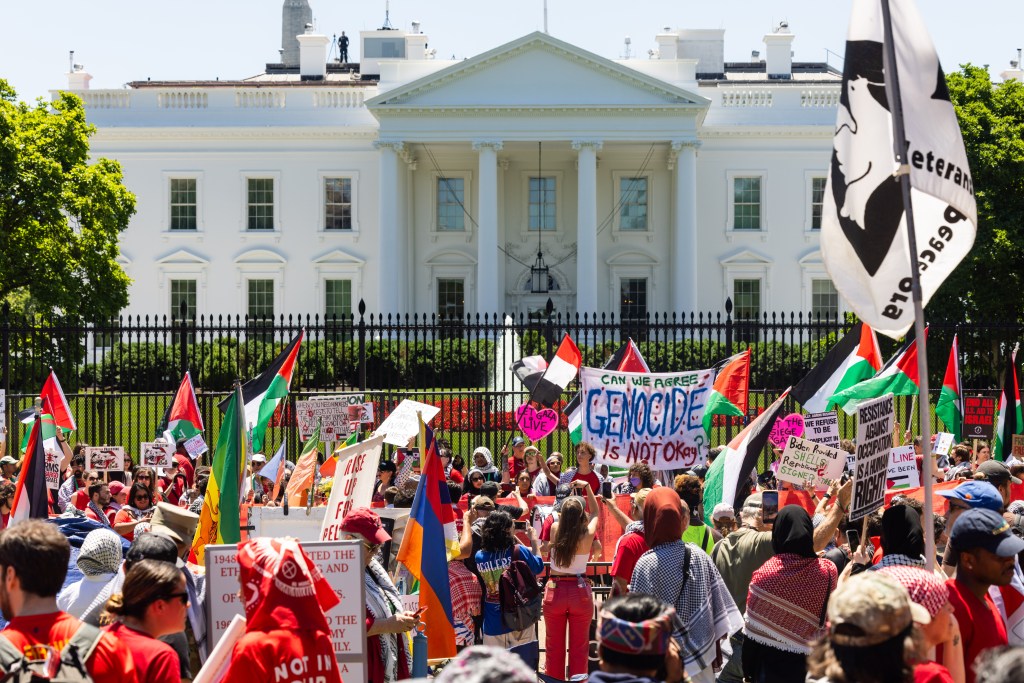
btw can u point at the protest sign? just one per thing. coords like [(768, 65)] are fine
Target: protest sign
[(943, 443), (874, 441), (822, 428), (341, 563), (216, 664), (330, 413), (1018, 446), (402, 425), (652, 417), (354, 477), (104, 458), (979, 417), (3, 415), (785, 427), (360, 413), (195, 446), (536, 424), (156, 454), (53, 458), (902, 471), (805, 460)]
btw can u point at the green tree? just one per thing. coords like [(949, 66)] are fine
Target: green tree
[(60, 213)]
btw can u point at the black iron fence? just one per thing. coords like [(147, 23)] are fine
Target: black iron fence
[(119, 376)]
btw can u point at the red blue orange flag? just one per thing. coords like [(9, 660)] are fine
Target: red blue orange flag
[(430, 541)]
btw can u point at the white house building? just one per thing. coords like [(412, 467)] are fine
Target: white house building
[(661, 184)]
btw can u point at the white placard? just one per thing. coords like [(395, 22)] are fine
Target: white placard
[(354, 477), (874, 441), (805, 460), (402, 425), (943, 443), (822, 428), (361, 414), (330, 413), (156, 454), (903, 472), (195, 446), (104, 459), (216, 665), (273, 522), (53, 458), (341, 563)]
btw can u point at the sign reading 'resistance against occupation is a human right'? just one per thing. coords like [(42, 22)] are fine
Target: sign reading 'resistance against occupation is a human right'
[(874, 441)]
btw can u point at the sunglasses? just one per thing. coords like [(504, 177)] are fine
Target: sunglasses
[(140, 477), (476, 478), (180, 596), (92, 478), (141, 497)]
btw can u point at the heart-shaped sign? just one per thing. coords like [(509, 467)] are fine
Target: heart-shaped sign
[(536, 424), (785, 427)]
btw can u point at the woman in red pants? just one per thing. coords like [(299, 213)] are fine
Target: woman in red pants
[(568, 598)]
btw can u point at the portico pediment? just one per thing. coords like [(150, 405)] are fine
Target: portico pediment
[(536, 72)]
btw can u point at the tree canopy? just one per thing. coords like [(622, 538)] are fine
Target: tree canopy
[(61, 214)]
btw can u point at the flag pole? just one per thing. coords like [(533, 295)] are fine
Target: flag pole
[(892, 87)]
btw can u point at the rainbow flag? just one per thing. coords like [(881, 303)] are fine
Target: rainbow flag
[(219, 520), (430, 541)]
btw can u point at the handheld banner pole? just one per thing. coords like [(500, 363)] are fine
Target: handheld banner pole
[(892, 88)]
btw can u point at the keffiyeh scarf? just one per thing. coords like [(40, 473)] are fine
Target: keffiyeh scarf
[(383, 601), (787, 599)]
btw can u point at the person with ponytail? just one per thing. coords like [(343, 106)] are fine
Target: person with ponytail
[(153, 602)]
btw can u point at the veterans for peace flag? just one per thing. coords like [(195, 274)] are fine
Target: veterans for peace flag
[(865, 243)]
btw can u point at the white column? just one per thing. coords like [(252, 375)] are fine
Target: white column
[(684, 228), (390, 281), (488, 286), (586, 225)]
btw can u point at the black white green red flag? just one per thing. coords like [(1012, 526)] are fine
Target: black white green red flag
[(950, 408), (855, 358), (1009, 421), (729, 393), (899, 377), (182, 419)]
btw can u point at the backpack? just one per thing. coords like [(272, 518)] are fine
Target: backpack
[(15, 667), (520, 595)]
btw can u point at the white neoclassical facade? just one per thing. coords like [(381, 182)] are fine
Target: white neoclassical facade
[(654, 185)]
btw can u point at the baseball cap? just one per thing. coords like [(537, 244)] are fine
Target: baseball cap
[(976, 494), (115, 486), (985, 529), (700, 471), (481, 502), (870, 608), (518, 441), (722, 511), (176, 523), (8, 460), (259, 457), (995, 472), (366, 523), (640, 497)]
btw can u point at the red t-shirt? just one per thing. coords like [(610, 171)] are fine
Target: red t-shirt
[(980, 623), (592, 479), (155, 661), (186, 467), (932, 672), (545, 529), (627, 552), (515, 466), (111, 661), (456, 476), (259, 653)]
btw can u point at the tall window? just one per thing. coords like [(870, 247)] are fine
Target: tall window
[(451, 298), (338, 298), (633, 203), (183, 204), (542, 204), (261, 203), (182, 290), (746, 204), (824, 300), (746, 299), (261, 308), (450, 200), (817, 201), (633, 298), (337, 204)]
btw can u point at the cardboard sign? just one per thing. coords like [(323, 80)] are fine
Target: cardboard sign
[(330, 413), (979, 417), (53, 458), (943, 443), (341, 563), (874, 441), (104, 459), (156, 454), (653, 417), (822, 428), (902, 471), (804, 461), (785, 427), (402, 424), (361, 413), (354, 477), (1018, 446), (195, 446), (536, 424)]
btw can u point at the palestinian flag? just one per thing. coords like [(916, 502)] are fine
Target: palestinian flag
[(627, 358), (560, 371), (529, 370), (898, 377), (853, 359), (56, 404), (262, 395), (728, 480), (1009, 421), (950, 408), (219, 519), (182, 419), (31, 500), (729, 392)]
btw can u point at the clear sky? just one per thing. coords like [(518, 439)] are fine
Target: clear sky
[(125, 40)]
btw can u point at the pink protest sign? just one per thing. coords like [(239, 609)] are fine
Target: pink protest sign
[(785, 427), (536, 424)]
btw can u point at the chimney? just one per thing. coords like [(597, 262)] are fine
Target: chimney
[(778, 48), (707, 46), (667, 44), (312, 55), (294, 16), (1016, 70), (78, 79), (416, 43)]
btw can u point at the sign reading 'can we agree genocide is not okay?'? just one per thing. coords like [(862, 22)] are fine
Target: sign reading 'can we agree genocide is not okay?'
[(653, 417)]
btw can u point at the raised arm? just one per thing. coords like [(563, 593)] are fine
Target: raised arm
[(827, 530)]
